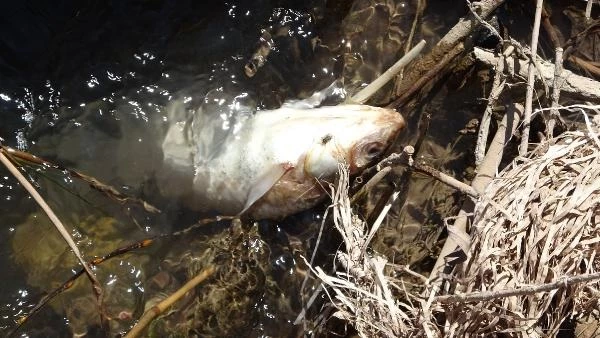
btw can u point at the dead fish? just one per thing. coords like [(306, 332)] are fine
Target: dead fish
[(278, 161)]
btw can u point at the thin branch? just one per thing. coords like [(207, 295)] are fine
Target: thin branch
[(363, 95), (530, 79), (161, 307), (484, 126), (104, 188), (59, 226), (557, 84), (527, 290)]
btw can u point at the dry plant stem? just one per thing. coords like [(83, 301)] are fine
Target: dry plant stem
[(457, 34), (405, 159), (531, 78), (71, 281), (446, 179), (554, 114), (363, 95), (413, 28), (578, 85), (106, 189), (161, 307), (485, 173), (433, 72), (526, 290), (58, 224), (484, 126), (588, 9)]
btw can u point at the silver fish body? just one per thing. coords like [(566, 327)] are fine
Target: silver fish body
[(276, 163)]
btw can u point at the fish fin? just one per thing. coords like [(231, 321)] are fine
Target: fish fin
[(265, 182)]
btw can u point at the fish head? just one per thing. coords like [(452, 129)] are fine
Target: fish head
[(357, 135)]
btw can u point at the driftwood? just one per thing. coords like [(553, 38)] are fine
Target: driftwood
[(577, 85)]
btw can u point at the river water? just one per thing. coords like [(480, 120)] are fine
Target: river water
[(85, 84)]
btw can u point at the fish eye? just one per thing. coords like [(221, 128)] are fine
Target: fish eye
[(372, 150), (326, 139)]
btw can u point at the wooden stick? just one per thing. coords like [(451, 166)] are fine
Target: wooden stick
[(554, 114), (161, 307), (484, 126), (57, 223), (526, 290), (485, 173), (363, 95), (530, 79)]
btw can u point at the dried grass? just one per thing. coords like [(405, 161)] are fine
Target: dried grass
[(536, 225), (532, 264), (361, 289)]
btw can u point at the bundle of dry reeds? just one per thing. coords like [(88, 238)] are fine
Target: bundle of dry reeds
[(361, 292), (534, 231)]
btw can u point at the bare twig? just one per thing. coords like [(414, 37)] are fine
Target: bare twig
[(405, 159), (578, 85), (363, 95), (59, 226), (526, 290), (485, 172), (484, 126), (161, 307), (531, 78), (104, 188), (554, 114), (588, 9), (481, 20)]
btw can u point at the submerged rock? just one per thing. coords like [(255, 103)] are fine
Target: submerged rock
[(48, 262)]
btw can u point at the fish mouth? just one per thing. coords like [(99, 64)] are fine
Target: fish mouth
[(388, 125)]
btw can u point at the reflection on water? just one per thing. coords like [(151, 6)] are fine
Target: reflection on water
[(96, 86)]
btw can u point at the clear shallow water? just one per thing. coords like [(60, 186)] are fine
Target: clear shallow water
[(86, 84)]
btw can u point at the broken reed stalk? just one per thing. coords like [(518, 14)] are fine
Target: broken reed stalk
[(484, 125), (161, 307), (59, 226), (485, 173), (531, 78), (450, 45), (364, 94), (572, 83), (94, 183), (562, 282), (556, 85), (588, 9)]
